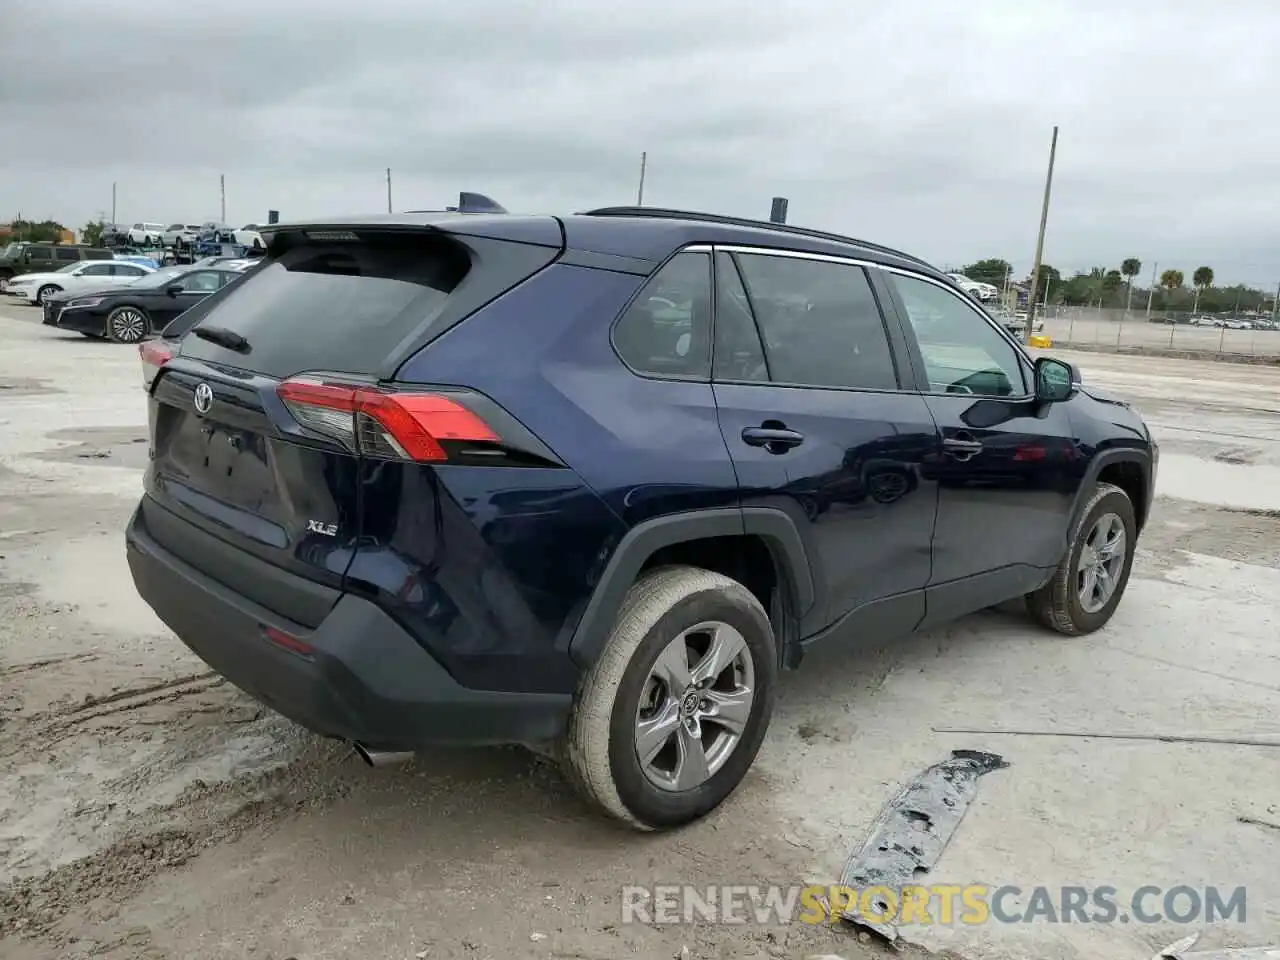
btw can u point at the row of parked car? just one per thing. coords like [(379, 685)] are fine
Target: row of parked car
[(146, 234), (124, 298)]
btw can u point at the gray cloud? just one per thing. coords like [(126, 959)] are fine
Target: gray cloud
[(924, 125)]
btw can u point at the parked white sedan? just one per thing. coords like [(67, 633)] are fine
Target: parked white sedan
[(86, 275)]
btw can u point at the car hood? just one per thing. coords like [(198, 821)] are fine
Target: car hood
[(25, 278), (104, 291)]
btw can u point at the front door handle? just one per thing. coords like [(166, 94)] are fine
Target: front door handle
[(961, 447), (773, 439)]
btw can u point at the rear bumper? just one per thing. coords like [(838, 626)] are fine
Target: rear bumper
[(365, 679)]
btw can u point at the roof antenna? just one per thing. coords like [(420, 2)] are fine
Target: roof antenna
[(476, 203)]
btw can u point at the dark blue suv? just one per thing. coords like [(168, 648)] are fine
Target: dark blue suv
[(586, 483)]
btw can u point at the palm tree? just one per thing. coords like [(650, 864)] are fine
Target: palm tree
[(1171, 280), (1129, 268), (1202, 279)]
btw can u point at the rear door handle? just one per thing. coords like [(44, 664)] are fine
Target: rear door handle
[(773, 439), (961, 447)]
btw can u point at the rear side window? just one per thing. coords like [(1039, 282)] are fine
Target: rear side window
[(63, 255), (340, 307), (739, 355), (820, 321), (666, 331)]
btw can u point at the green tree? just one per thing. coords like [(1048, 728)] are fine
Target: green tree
[(1202, 280), (1129, 268), (92, 233), (44, 231), (993, 271), (1050, 280)]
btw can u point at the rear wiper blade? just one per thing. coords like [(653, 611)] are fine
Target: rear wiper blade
[(223, 338)]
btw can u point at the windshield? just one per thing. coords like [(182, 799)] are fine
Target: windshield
[(11, 250), (69, 268), (160, 277)]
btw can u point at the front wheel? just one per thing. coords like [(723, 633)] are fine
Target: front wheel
[(1087, 586), (670, 717), (45, 292), (127, 325)]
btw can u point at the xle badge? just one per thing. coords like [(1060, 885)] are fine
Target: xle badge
[(324, 529)]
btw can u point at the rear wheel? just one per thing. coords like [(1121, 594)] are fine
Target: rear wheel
[(128, 324), (1088, 584), (671, 716)]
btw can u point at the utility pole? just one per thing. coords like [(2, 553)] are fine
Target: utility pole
[(1275, 307), (1044, 220), (222, 188), (1152, 291), (388, 189), (644, 162), (113, 202)]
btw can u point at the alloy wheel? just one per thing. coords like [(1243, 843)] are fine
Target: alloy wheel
[(128, 325), (695, 706), (1101, 563)]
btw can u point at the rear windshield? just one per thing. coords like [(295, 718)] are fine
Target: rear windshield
[(341, 307)]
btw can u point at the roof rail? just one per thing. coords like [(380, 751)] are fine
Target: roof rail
[(664, 213)]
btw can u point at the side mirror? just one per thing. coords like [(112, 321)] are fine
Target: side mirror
[(1056, 380), (174, 289)]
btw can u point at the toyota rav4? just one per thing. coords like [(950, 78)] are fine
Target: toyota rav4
[(587, 483)]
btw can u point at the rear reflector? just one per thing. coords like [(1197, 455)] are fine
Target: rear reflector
[(287, 641), (153, 356), (383, 424)]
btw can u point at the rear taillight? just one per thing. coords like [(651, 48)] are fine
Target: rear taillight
[(384, 424), (154, 356)]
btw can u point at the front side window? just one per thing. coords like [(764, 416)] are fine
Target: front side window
[(820, 321), (962, 352), (667, 330), (39, 254)]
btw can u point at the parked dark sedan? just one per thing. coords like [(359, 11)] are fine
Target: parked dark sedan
[(128, 314)]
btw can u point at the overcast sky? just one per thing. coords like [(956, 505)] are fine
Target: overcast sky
[(923, 124)]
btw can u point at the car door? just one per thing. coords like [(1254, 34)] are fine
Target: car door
[(809, 385), (1010, 466), (93, 274), (185, 292)]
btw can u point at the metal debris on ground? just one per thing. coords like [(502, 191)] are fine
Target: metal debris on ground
[(1182, 950), (912, 831)]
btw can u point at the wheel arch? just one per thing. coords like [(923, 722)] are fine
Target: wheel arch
[(679, 535), (1128, 468)]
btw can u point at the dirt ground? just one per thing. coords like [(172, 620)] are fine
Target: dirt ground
[(149, 810)]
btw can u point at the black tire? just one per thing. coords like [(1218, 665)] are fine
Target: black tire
[(120, 327), (1057, 605), (43, 293), (599, 752)]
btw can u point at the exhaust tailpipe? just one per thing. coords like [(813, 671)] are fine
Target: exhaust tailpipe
[(382, 758)]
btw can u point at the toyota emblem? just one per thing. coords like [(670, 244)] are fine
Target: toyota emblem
[(203, 398)]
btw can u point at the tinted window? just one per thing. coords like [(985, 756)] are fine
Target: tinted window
[(201, 281), (42, 254), (342, 307), (962, 351), (98, 270), (125, 270), (738, 353), (66, 256), (820, 322), (667, 330)]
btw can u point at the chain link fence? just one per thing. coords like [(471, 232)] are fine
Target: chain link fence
[(1092, 327)]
